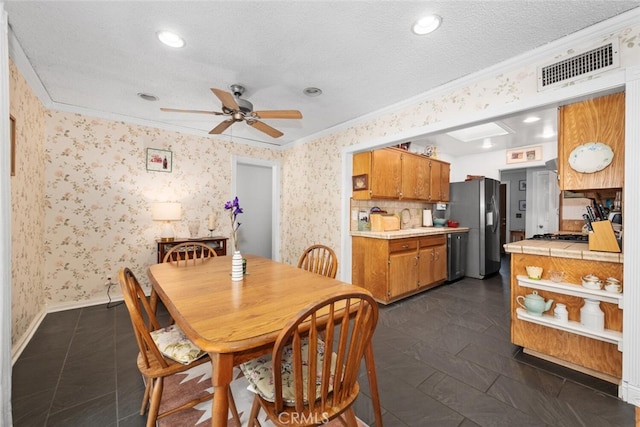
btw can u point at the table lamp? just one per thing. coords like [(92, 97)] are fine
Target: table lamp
[(167, 212)]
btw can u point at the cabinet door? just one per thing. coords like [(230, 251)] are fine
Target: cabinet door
[(445, 169), (386, 173), (594, 120), (403, 273), (425, 267), (439, 263), (432, 265), (434, 177), (362, 166), (415, 177)]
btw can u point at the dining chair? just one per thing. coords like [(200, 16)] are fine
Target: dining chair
[(163, 352), (182, 255), (307, 380), (189, 253), (319, 259)]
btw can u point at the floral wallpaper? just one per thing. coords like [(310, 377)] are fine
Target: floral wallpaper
[(84, 203), (27, 207), (99, 196)]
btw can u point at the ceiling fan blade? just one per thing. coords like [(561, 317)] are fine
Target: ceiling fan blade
[(227, 99), (221, 127), (277, 114), (272, 132), (174, 110)]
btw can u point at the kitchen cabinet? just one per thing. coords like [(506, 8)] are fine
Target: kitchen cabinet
[(439, 180), (384, 172), (395, 268), (595, 120), (397, 174), (572, 345), (431, 268), (416, 177)]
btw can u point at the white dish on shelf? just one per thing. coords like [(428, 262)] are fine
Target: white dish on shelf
[(590, 157), (592, 284), (613, 287)]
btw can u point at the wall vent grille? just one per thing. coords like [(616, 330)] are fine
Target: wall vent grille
[(591, 62)]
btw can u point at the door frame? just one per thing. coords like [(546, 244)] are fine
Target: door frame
[(275, 167)]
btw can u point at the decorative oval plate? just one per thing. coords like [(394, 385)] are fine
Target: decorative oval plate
[(590, 157)]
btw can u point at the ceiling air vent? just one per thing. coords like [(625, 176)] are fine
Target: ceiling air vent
[(591, 62)]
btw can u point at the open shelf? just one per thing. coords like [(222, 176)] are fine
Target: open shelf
[(574, 327), (571, 289)]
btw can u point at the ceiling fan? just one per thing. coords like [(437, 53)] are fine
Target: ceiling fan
[(241, 110)]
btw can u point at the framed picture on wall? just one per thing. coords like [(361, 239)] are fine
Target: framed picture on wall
[(522, 185), (522, 205), (522, 155), (159, 160), (360, 182)]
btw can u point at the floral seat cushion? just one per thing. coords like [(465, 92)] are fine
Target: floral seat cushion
[(259, 374), (174, 344)]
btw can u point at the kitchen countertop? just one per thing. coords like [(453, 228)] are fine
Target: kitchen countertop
[(561, 249), (409, 232)]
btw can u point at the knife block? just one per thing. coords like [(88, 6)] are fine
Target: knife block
[(603, 238)]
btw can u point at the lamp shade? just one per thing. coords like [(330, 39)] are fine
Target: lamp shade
[(166, 211)]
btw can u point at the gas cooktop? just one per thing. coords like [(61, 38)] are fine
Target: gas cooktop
[(558, 236)]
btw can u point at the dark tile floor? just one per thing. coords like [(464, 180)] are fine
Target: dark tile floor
[(443, 359)]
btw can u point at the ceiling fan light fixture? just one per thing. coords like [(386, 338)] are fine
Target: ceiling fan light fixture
[(427, 24), (170, 39), (312, 91)]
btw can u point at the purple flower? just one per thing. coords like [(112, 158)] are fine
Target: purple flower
[(233, 206)]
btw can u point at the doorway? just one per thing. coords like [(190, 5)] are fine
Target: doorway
[(503, 216), (256, 184)]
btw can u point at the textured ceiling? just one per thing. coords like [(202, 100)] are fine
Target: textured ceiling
[(94, 57)]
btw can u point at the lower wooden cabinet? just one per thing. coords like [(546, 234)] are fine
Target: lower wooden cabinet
[(432, 262), (397, 268)]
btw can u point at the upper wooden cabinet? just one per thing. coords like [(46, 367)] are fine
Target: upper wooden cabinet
[(439, 178), (595, 120), (393, 173)]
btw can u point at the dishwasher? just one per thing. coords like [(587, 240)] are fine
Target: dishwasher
[(456, 255)]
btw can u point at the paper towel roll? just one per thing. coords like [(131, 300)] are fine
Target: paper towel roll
[(427, 218)]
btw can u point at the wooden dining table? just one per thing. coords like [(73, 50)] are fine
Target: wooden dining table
[(236, 321)]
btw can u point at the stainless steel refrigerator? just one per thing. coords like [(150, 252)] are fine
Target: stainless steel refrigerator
[(476, 204)]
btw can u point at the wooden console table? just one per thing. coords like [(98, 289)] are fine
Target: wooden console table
[(218, 243)]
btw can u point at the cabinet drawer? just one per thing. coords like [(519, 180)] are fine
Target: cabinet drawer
[(432, 241), (402, 245)]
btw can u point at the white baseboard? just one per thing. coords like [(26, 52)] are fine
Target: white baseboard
[(630, 394), (18, 347)]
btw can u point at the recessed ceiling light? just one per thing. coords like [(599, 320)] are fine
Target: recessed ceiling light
[(474, 133), (426, 25), (170, 39), (531, 119), (147, 96), (312, 91), (487, 143)]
